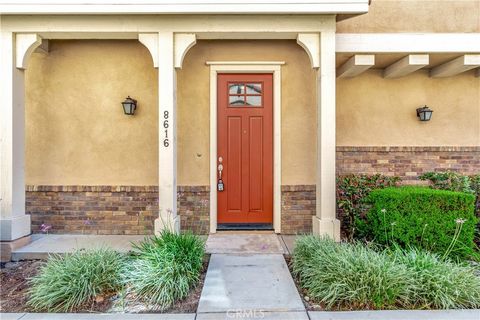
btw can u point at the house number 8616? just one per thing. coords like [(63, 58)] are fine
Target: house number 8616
[(166, 142)]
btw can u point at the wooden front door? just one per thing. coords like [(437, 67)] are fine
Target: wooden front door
[(245, 148)]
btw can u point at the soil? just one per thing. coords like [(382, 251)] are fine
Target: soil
[(14, 286)]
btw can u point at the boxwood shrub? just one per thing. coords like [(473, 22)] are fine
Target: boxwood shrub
[(423, 218)]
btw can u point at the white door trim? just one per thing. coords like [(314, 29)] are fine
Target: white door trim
[(273, 67)]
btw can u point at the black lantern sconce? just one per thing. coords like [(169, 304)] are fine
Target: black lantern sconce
[(424, 113), (129, 106)]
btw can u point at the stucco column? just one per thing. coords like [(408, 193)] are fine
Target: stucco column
[(325, 221), (167, 150), (14, 223)]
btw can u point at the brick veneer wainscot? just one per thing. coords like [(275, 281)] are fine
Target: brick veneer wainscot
[(194, 208), (111, 209), (298, 206), (93, 209), (133, 209), (298, 202), (407, 162)]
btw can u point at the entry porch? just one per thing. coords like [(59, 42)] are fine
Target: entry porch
[(168, 40)]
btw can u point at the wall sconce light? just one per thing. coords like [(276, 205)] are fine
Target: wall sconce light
[(424, 113), (129, 106)]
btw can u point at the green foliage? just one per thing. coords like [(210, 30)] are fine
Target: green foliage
[(453, 181), (70, 281), (348, 274), (164, 268), (423, 218), (475, 184), (354, 276), (438, 283), (351, 191)]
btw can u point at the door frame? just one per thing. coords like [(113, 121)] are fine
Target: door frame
[(274, 68)]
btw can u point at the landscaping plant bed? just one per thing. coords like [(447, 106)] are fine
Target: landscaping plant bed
[(353, 276), (309, 304), (14, 285)]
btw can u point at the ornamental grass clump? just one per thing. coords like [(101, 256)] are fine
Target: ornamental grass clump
[(439, 283), (349, 274), (74, 280), (356, 276), (164, 268)]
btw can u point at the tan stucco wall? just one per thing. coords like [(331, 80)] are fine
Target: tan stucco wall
[(298, 107), (76, 130), (78, 134), (373, 111), (416, 16)]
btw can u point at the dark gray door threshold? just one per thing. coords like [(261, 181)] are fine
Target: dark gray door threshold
[(244, 226)]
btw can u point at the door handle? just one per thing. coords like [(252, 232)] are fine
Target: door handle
[(220, 186), (220, 167)]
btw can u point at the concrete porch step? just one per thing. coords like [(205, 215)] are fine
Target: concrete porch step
[(42, 244), (223, 242)]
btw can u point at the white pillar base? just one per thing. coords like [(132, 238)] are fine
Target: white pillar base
[(15, 227), (167, 222), (326, 227)]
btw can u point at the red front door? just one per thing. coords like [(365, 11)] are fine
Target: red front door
[(245, 148)]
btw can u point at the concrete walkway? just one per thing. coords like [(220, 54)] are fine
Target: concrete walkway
[(259, 282), (396, 315), (248, 278), (312, 315), (95, 316)]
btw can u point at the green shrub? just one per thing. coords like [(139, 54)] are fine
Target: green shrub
[(351, 192), (456, 182), (164, 268), (453, 181), (70, 281), (423, 218), (354, 276), (448, 181)]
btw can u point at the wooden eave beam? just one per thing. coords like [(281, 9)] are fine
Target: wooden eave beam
[(356, 65), (406, 65), (456, 66)]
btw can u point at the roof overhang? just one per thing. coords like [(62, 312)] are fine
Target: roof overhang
[(128, 7)]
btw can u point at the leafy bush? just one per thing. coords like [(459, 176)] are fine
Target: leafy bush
[(453, 181), (351, 192), (164, 268), (70, 281), (354, 276), (456, 182), (423, 218)]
